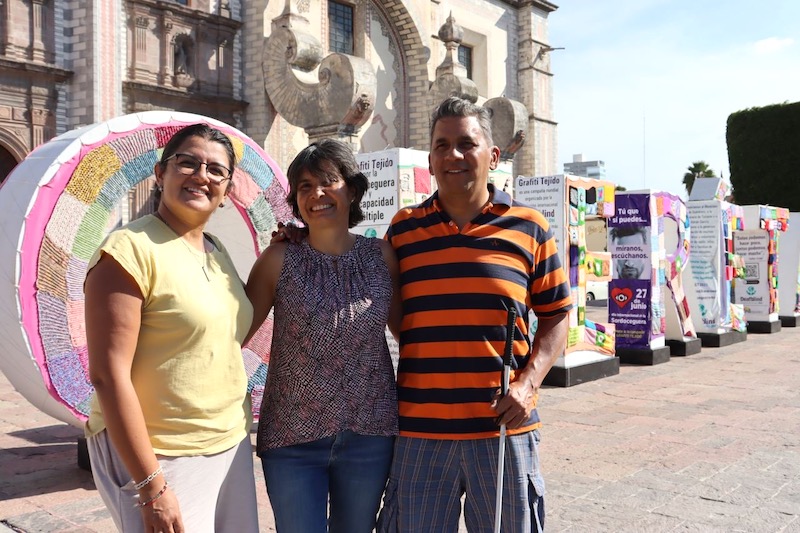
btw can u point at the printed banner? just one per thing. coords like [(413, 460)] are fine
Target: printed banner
[(753, 292), (546, 195), (629, 237), (632, 210), (759, 291), (380, 202), (636, 306), (630, 250), (790, 267), (398, 178), (629, 310), (704, 274), (567, 202)]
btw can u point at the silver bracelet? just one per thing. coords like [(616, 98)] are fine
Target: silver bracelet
[(142, 484), (159, 494)]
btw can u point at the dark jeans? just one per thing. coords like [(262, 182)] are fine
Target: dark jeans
[(348, 468)]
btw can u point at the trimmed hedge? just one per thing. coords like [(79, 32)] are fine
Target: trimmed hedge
[(764, 155)]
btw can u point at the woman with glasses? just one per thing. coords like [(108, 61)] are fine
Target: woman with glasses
[(329, 414), (166, 314)]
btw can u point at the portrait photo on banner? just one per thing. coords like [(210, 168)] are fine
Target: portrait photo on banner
[(630, 248)]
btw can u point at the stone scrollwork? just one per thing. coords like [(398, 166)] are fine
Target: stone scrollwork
[(357, 115), (342, 98), (509, 124)]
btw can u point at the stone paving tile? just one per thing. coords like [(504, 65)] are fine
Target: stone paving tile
[(701, 471), (586, 515), (687, 527), (659, 480), (701, 510), (761, 519), (569, 486), (655, 523), (14, 507), (787, 501), (715, 489), (41, 521), (598, 419), (651, 499)]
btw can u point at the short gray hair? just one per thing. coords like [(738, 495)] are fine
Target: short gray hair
[(453, 106)]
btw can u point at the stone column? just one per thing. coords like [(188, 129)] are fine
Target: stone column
[(39, 27), (165, 50), (38, 126), (535, 86), (139, 49), (5, 20)]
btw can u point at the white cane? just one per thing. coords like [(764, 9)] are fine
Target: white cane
[(508, 360)]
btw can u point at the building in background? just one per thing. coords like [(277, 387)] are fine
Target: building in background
[(587, 169), (69, 63)]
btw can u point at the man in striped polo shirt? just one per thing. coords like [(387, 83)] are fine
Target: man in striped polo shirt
[(466, 254)]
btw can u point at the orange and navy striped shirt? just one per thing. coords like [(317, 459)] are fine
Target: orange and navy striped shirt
[(456, 286)]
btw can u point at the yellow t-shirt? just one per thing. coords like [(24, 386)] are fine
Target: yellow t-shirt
[(188, 369)]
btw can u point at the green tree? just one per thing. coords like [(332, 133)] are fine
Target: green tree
[(698, 169), (763, 156), (620, 188)]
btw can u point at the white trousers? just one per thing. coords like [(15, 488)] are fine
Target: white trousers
[(216, 493)]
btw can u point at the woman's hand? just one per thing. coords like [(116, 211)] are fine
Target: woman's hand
[(163, 515)]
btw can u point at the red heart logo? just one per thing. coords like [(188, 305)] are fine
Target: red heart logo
[(621, 296)]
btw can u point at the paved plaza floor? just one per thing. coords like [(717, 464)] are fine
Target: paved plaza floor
[(708, 442)]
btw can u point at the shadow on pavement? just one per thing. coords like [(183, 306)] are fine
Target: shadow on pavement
[(48, 465)]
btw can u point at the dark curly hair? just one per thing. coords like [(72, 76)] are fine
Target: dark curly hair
[(338, 154)]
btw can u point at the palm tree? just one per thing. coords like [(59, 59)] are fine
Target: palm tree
[(698, 169)]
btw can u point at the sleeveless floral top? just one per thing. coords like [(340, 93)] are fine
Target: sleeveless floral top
[(329, 367)]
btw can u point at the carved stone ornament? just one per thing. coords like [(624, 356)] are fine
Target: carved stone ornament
[(343, 95), (509, 124), (451, 76), (182, 80), (39, 116)]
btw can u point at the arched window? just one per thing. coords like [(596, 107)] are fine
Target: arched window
[(7, 163)]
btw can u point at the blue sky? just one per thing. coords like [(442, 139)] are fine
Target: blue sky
[(647, 85)]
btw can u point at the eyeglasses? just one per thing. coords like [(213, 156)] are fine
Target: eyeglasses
[(189, 165)]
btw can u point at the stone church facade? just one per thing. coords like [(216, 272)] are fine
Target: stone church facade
[(283, 71)]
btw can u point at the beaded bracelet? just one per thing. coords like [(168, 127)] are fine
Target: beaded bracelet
[(143, 483), (154, 498)]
